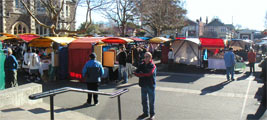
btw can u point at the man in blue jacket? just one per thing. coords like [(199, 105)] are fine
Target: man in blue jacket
[(229, 59), (11, 66), (147, 81), (92, 72)]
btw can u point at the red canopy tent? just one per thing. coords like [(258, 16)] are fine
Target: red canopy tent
[(79, 51), (212, 43), (28, 37), (119, 40)]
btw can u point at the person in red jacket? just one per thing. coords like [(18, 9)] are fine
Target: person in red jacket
[(252, 60), (146, 72)]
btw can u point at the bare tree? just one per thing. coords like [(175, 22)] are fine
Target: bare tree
[(54, 8), (121, 13), (161, 15)]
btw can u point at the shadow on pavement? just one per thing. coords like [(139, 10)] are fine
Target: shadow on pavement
[(258, 115), (38, 110), (243, 77), (214, 88), (181, 79), (12, 110), (126, 86)]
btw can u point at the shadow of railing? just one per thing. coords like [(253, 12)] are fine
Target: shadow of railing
[(54, 92)]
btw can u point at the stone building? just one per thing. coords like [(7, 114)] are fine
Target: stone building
[(14, 18), (217, 29), (192, 29)]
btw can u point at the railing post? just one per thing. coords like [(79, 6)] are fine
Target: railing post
[(119, 105), (52, 107)]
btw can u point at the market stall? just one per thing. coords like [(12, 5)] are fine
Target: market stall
[(160, 50), (186, 51), (192, 51), (78, 54), (59, 44), (4, 36), (239, 44), (110, 54), (10, 39), (214, 46), (241, 47)]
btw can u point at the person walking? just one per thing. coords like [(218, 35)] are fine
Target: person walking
[(170, 59), (11, 66), (34, 66), (92, 72), (26, 64), (229, 59), (147, 81), (252, 60), (122, 72), (53, 75)]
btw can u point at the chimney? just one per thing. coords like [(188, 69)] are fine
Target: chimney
[(207, 20)]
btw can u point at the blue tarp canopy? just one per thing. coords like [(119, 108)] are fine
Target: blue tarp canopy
[(145, 38)]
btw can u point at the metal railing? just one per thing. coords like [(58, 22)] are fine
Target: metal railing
[(52, 93)]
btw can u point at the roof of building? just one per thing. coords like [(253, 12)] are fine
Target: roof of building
[(190, 22), (215, 22)]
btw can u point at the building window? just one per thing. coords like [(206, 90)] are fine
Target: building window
[(37, 30), (211, 30), (40, 7), (20, 28), (15, 31), (24, 30), (18, 4), (42, 31), (67, 11), (223, 30)]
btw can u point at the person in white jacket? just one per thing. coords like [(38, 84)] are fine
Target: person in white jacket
[(26, 64), (170, 59), (34, 66)]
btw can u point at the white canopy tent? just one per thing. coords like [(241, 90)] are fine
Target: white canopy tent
[(237, 44), (187, 51), (265, 38)]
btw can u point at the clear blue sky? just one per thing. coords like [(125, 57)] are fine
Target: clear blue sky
[(248, 13)]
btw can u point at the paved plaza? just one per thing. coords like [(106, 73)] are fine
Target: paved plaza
[(178, 96)]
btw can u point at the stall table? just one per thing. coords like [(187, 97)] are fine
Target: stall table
[(219, 64), (216, 63)]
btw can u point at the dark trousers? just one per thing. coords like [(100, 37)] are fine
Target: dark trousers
[(94, 87), (252, 67), (11, 79), (170, 64)]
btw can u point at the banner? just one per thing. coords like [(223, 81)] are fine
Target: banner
[(2, 72)]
